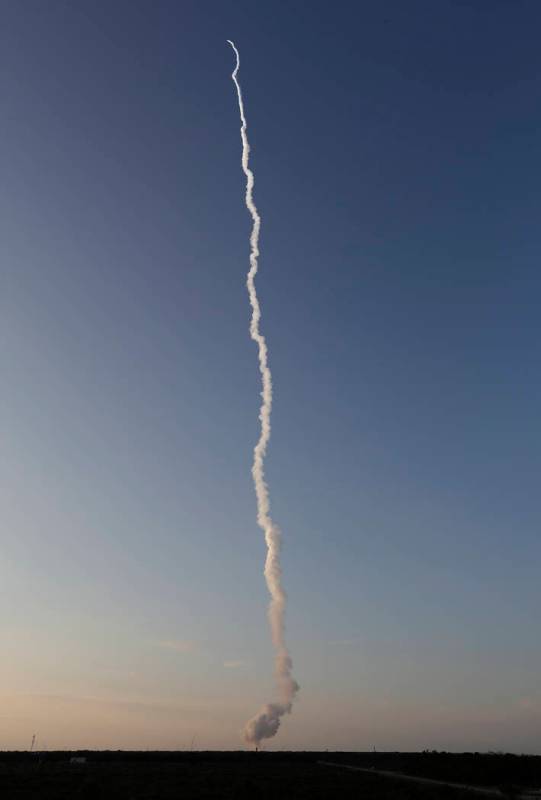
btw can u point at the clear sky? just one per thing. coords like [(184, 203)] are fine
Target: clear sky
[(397, 156)]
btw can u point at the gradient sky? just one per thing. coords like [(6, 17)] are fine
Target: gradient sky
[(397, 155)]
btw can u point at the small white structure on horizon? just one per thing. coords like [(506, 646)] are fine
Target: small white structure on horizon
[(77, 760)]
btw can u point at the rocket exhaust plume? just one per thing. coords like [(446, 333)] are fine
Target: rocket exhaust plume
[(267, 721)]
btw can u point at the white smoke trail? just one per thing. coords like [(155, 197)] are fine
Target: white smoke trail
[(267, 721)]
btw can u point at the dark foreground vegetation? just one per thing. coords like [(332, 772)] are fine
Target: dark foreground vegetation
[(259, 776)]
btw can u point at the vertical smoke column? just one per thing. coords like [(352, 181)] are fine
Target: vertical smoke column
[(267, 721)]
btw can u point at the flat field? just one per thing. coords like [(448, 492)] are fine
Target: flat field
[(258, 776)]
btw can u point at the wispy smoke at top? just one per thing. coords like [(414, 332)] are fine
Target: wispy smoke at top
[(267, 721)]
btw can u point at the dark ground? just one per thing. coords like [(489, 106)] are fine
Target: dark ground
[(258, 776)]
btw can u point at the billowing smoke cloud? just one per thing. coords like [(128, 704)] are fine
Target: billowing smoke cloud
[(267, 721)]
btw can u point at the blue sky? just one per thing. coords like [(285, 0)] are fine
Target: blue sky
[(396, 154)]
